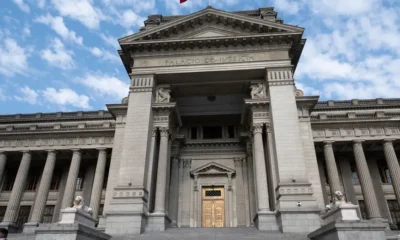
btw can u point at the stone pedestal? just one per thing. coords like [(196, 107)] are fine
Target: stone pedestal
[(266, 221), (75, 224), (10, 226), (158, 222), (343, 222)]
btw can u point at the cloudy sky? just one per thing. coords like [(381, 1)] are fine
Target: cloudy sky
[(61, 55)]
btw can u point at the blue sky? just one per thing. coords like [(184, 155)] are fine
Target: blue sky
[(61, 55)]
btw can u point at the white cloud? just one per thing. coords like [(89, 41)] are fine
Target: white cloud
[(3, 95), (23, 6), (66, 96), (57, 24), (26, 31), (80, 10), (13, 58), (130, 19), (110, 40), (105, 85), (58, 56), (27, 95), (105, 55), (140, 5), (41, 3)]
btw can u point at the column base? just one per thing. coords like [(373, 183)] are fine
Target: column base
[(266, 221), (12, 227), (29, 227), (158, 222)]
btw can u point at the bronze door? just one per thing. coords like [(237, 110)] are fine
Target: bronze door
[(213, 204)]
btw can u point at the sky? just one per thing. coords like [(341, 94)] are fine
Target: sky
[(61, 55)]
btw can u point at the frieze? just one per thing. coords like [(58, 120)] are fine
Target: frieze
[(354, 132), (56, 142)]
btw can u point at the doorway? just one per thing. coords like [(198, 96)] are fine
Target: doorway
[(213, 207)]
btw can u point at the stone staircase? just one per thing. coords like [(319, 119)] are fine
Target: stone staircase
[(241, 233)]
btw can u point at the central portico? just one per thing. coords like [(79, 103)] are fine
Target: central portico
[(210, 135)]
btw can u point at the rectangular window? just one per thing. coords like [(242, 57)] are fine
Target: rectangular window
[(363, 209), (79, 181), (354, 175), (384, 172), (9, 181), (193, 133), (2, 212), (212, 132), (48, 214), (32, 182), (394, 210), (231, 131), (55, 181)]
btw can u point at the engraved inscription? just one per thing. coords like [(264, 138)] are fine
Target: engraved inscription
[(209, 60)]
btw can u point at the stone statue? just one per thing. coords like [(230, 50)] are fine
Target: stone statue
[(163, 95), (339, 197), (257, 91), (80, 204)]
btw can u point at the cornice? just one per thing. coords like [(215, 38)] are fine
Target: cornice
[(356, 104)]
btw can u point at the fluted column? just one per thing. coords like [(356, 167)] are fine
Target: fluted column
[(162, 172), (18, 189), (98, 182), (333, 174), (44, 187), (261, 175), (151, 170), (366, 181), (174, 190), (393, 165), (240, 193), (70, 187), (3, 161)]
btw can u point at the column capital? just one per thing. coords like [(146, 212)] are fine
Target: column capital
[(358, 142), (164, 132), (187, 163), (76, 151), (268, 128), (388, 140), (257, 128), (154, 132), (328, 143), (238, 162)]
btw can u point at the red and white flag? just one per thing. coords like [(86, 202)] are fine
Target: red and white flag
[(182, 1)]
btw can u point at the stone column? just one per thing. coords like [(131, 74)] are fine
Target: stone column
[(273, 168), (18, 190), (174, 191), (150, 169), (240, 193), (44, 187), (333, 174), (162, 172), (98, 182), (195, 201), (261, 175), (186, 194), (393, 165), (366, 181), (70, 187), (230, 202), (246, 192), (3, 161)]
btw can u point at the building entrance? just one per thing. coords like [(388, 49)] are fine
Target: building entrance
[(213, 202)]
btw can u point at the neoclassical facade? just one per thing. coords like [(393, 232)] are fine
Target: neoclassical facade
[(213, 133)]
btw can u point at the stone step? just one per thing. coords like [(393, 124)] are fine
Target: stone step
[(214, 234)]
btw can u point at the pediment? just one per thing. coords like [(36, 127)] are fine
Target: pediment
[(212, 169), (215, 24)]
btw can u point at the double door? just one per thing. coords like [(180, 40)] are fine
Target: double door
[(213, 207)]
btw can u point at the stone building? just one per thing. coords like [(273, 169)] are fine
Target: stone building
[(213, 134)]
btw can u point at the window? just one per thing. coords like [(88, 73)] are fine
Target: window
[(2, 212), (55, 181), (23, 216), (48, 214), (9, 181), (231, 131), (32, 182), (354, 175), (79, 181), (193, 133), (213, 193), (384, 172), (363, 209), (212, 132), (394, 210)]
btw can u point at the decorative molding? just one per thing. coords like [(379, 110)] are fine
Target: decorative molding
[(142, 83), (187, 163), (257, 128)]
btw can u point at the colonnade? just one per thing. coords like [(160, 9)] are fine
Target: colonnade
[(364, 174), (11, 215)]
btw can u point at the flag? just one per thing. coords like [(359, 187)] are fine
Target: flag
[(182, 1)]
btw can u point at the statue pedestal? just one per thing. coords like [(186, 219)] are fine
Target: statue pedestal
[(343, 222), (75, 224)]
